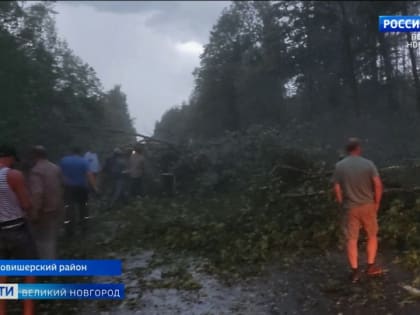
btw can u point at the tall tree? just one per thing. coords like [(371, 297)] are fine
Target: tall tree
[(44, 86), (413, 58)]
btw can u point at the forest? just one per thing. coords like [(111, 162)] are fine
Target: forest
[(47, 90), (250, 226), (316, 71), (280, 88)]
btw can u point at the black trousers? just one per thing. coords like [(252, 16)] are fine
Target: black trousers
[(17, 243), (76, 198), (136, 187)]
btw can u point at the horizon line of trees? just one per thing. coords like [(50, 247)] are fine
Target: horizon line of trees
[(288, 63)]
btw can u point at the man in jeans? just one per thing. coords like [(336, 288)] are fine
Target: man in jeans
[(15, 204), (46, 186), (77, 178), (358, 189)]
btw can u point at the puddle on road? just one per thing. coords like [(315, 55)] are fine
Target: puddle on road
[(213, 297)]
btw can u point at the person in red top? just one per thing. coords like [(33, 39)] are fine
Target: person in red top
[(15, 204)]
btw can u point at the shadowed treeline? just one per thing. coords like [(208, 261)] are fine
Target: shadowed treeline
[(317, 71), (44, 87)]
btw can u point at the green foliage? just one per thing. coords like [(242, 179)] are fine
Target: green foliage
[(230, 163), (400, 227), (276, 203), (304, 67), (46, 89), (236, 230)]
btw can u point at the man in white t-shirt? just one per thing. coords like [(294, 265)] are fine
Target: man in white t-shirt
[(92, 159)]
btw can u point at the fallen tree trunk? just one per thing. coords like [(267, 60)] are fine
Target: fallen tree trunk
[(323, 192), (330, 172), (111, 130)]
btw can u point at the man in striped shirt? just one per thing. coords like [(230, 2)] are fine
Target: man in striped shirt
[(15, 239)]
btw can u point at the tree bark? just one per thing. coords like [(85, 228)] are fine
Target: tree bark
[(350, 72), (307, 72), (384, 50), (415, 72), (413, 59)]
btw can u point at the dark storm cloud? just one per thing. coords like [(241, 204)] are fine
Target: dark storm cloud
[(184, 19), (150, 48)]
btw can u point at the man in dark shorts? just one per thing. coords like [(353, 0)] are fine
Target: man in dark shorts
[(15, 239), (77, 177), (358, 190)]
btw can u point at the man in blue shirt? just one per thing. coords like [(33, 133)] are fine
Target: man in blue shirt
[(77, 178)]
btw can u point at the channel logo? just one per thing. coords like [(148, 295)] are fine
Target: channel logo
[(399, 24), (9, 291)]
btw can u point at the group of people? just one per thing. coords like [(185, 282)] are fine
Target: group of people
[(32, 207), (123, 175), (35, 204), (24, 232)]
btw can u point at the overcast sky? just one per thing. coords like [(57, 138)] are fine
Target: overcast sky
[(150, 48)]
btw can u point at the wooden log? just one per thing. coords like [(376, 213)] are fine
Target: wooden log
[(323, 192)]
